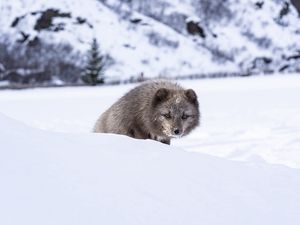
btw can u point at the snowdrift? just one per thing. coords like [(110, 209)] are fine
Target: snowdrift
[(80, 179)]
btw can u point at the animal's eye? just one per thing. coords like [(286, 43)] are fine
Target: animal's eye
[(184, 116), (167, 115)]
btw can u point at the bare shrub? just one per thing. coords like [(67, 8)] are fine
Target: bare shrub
[(55, 60), (215, 10)]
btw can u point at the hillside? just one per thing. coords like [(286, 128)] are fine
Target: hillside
[(55, 178), (153, 38)]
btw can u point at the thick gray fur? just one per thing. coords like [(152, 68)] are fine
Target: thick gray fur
[(158, 110)]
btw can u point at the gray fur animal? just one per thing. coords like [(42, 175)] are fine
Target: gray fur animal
[(158, 110)]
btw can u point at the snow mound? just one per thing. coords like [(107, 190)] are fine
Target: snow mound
[(79, 179)]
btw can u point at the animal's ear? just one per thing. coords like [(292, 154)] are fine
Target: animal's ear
[(161, 95), (191, 96)]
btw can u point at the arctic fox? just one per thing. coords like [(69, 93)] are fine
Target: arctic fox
[(158, 110)]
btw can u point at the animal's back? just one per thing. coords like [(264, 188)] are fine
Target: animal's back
[(158, 110), (132, 110)]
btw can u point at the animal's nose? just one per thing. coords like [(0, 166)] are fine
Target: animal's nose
[(177, 131)]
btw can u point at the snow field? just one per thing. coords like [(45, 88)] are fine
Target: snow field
[(248, 119), (58, 178)]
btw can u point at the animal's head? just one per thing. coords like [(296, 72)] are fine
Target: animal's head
[(174, 112)]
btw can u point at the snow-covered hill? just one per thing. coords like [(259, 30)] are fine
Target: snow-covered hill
[(54, 178), (149, 47), (163, 37)]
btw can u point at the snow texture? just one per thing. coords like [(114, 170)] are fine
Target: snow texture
[(56, 172), (55, 178), (252, 119)]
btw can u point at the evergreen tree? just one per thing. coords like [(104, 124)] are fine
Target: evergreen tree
[(93, 73)]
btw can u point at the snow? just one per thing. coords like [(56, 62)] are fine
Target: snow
[(128, 44), (239, 167), (57, 178), (246, 119), (252, 119), (146, 47)]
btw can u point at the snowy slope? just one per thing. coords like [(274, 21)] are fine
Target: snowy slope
[(250, 31), (259, 39), (128, 44), (55, 178)]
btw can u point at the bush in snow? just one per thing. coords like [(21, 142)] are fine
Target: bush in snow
[(57, 61), (2, 70), (158, 40), (209, 10)]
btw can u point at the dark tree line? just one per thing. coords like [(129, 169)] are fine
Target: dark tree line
[(46, 63)]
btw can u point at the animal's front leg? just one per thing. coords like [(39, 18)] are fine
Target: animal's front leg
[(166, 141)]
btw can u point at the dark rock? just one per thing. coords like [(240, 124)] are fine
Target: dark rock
[(24, 37), (285, 10), (135, 21), (283, 68), (293, 57), (194, 28), (15, 22), (34, 42), (80, 20), (45, 21), (35, 13), (259, 5)]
